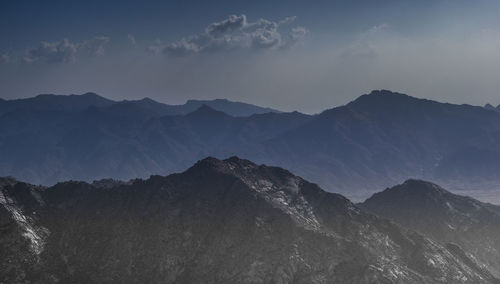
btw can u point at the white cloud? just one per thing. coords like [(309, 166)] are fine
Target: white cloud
[(65, 51), (231, 24), (94, 46), (52, 52), (235, 33)]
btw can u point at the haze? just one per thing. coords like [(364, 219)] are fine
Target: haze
[(289, 55)]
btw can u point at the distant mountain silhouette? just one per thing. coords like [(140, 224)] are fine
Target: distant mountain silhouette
[(125, 140), (375, 141), (490, 107), (382, 138), (443, 216), (55, 103), (236, 109), (231, 108), (81, 102), (229, 221)]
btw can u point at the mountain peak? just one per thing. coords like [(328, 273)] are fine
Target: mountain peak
[(7, 181), (195, 101), (230, 107), (489, 106), (147, 99), (383, 96), (385, 103), (208, 162), (263, 179), (381, 103), (385, 92), (90, 94), (252, 224), (205, 107), (87, 95), (446, 217), (205, 110), (413, 188), (232, 164), (413, 184), (51, 102)]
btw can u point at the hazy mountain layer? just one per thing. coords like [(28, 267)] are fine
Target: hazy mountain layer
[(225, 221), (376, 141), (48, 102), (491, 107), (384, 138), (125, 140)]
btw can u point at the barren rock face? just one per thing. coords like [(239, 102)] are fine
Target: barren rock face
[(227, 221), (444, 217)]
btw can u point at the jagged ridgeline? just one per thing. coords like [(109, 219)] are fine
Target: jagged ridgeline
[(444, 217), (375, 141), (221, 221)]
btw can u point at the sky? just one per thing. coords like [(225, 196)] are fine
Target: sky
[(290, 55)]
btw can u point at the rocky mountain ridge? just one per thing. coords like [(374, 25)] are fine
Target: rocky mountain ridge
[(445, 217), (221, 221)]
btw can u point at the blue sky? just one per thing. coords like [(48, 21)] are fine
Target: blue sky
[(304, 55)]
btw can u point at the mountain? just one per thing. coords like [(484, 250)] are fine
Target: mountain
[(443, 216), (227, 221), (229, 107), (72, 103), (490, 107), (49, 102), (125, 140), (375, 141), (384, 137), (237, 109)]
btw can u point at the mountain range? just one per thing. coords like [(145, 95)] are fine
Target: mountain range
[(49, 102), (375, 141), (220, 221)]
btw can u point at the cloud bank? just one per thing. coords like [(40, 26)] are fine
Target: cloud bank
[(236, 33), (65, 51)]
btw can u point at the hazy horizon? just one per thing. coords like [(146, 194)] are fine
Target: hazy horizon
[(178, 103), (289, 55), (351, 143)]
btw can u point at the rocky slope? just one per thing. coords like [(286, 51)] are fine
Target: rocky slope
[(443, 216), (227, 221)]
